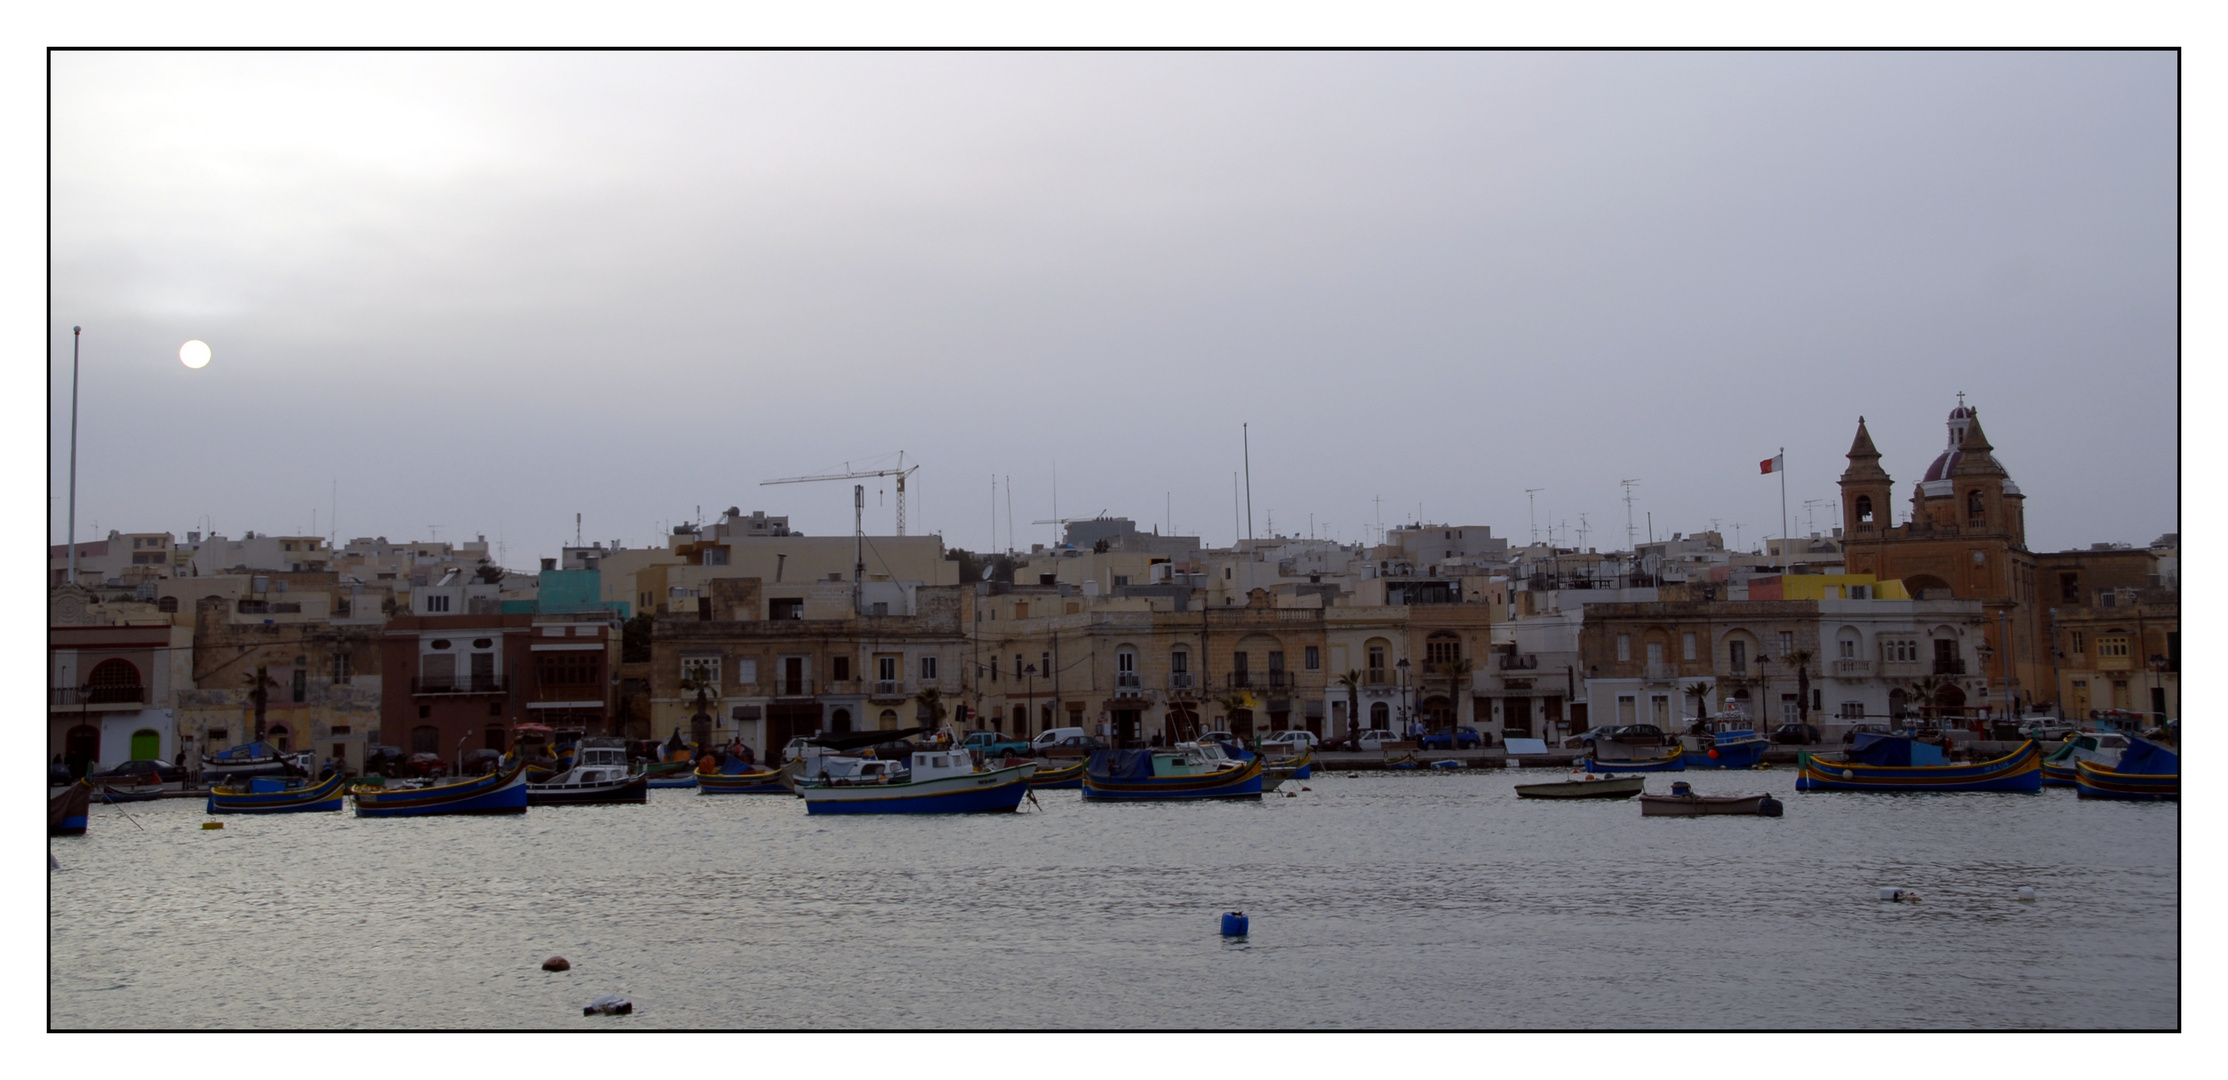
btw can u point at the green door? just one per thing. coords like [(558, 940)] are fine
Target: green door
[(145, 745)]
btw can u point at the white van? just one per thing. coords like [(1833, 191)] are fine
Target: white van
[(1055, 736)]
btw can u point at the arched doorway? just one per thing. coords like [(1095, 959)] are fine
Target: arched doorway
[(81, 748), (1380, 716), (1438, 713), (839, 721), (280, 737), (888, 720), (146, 745), (113, 682), (1241, 723), (1898, 703), (1950, 701)]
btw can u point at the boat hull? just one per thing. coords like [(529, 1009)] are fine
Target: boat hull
[(67, 810), (1240, 783), (1698, 805), (1741, 755), (998, 791), (1673, 762), (496, 793), (2020, 770), (687, 781), (1065, 778), (326, 795), (138, 793), (633, 789), (1584, 789), (2057, 774), (2093, 781), (756, 782)]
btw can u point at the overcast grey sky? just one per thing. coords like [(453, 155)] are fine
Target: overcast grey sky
[(486, 291)]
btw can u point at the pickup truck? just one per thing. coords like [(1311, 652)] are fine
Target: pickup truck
[(991, 744)]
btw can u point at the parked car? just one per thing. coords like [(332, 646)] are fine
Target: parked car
[(1293, 739), (1376, 739), (1850, 736), (2048, 729), (131, 772), (1073, 746), (1798, 734), (1589, 736), (1461, 738), (992, 744), (423, 764), (384, 760), (1053, 738), (1213, 736)]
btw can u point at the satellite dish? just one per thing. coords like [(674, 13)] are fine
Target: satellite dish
[(986, 572)]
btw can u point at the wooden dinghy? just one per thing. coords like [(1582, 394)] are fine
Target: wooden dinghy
[(1623, 787)]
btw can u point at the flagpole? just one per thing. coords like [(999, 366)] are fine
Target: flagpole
[(1782, 510)]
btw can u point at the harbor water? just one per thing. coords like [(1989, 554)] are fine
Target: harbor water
[(1377, 900)]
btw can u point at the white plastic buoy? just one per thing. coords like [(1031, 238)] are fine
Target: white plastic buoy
[(609, 1005), (2026, 892)]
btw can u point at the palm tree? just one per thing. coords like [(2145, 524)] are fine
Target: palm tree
[(702, 689), (1923, 690), (1456, 671), (1801, 659), (1700, 692), (260, 686), (932, 699), (1352, 681)]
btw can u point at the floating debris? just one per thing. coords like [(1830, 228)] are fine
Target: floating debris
[(1234, 924), (608, 1005), (556, 963)]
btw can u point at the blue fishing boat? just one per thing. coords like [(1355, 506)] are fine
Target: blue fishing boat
[(1179, 772), (942, 781), (2146, 771), (686, 780), (738, 777), (1675, 761), (2096, 747), (1879, 762), (499, 792), (67, 809), (1731, 743), (1067, 777), (271, 795)]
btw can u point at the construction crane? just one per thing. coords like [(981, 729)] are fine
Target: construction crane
[(901, 471)]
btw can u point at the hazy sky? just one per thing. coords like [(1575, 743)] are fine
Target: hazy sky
[(485, 291)]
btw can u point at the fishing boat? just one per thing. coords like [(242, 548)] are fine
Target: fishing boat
[(685, 780), (1184, 771), (1730, 743), (68, 808), (939, 781), (1623, 787), (735, 777), (599, 775), (2145, 771), (2096, 747), (1683, 802), (1063, 778), (1879, 762), (499, 792), (247, 759), (272, 795), (1675, 761), (130, 793)]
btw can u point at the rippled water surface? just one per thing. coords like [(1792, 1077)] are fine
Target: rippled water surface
[(1383, 900)]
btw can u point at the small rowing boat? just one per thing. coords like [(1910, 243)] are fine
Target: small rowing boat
[(1623, 787), (1683, 802), (1675, 761)]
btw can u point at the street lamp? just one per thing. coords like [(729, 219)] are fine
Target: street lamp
[(1026, 716), (1406, 716), (2158, 685), (1763, 692)]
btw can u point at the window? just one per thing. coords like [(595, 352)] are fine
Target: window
[(885, 668), (425, 739), (1380, 717), (1860, 592), (928, 669), (1790, 709), (879, 607), (1044, 666), (168, 605), (2080, 643), (2111, 645), (839, 668), (1899, 650), (1848, 648), (1017, 666), (1314, 658), (300, 688), (1659, 709), (1975, 508), (1852, 710), (424, 711), (1686, 646), (1021, 611), (1442, 648), (1627, 709), (1737, 656), (1786, 644), (746, 671), (1125, 662), (701, 671), (1179, 661), (1624, 646), (785, 608), (1377, 663), (1121, 580), (1864, 510), (436, 603), (582, 668), (1276, 660), (1655, 654), (2069, 588)]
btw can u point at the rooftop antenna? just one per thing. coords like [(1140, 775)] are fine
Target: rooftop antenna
[(1531, 502), (1583, 529), (576, 528), (1245, 434), (1737, 534), (1380, 501), (1009, 512), (993, 511), (1632, 533), (1810, 513)]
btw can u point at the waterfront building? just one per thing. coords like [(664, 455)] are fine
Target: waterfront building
[(2115, 622), (313, 663), (114, 664), (459, 682)]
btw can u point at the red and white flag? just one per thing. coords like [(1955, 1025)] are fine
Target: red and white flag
[(1775, 463)]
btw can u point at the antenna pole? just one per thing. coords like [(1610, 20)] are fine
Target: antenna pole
[(1245, 434), (74, 332)]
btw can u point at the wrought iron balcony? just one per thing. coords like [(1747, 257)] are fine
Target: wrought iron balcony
[(1517, 661), (1946, 665), (1128, 680), (1181, 680), (424, 686), (97, 695), (793, 687)]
